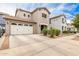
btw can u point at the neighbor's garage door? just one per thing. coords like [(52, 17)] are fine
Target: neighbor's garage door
[(21, 28)]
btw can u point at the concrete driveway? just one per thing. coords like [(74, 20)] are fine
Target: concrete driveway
[(40, 45)]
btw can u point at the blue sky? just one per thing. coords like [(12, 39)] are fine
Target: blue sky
[(69, 9)]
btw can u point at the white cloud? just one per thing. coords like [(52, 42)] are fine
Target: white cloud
[(58, 10), (68, 21), (51, 9), (7, 9), (60, 7), (11, 8), (71, 7), (68, 14), (69, 17)]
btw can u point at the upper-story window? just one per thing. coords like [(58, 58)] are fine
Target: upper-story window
[(62, 28), (50, 21), (44, 15), (28, 16), (63, 20), (24, 15)]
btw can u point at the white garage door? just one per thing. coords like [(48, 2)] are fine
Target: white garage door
[(21, 29)]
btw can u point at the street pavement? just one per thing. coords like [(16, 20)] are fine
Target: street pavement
[(38, 45)]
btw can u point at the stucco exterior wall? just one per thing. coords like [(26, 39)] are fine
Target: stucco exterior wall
[(7, 27), (37, 17), (57, 23), (20, 14), (71, 28)]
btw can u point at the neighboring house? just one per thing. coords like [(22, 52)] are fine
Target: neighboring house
[(59, 22), (70, 27), (2, 21), (25, 22)]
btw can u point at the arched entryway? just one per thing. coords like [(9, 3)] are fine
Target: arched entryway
[(43, 26)]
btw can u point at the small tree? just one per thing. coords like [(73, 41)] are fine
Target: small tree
[(76, 22)]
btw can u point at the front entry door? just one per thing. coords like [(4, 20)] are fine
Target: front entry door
[(43, 26)]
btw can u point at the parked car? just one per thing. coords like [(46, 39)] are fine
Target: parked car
[(2, 31)]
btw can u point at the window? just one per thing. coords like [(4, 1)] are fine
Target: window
[(65, 20), (25, 24), (62, 20), (68, 29), (65, 27), (28, 16), (14, 24), (39, 9), (44, 15), (62, 28), (24, 15), (30, 25), (7, 22), (50, 21), (20, 24)]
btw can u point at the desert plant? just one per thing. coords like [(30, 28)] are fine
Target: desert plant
[(51, 32), (57, 32), (65, 31), (44, 31)]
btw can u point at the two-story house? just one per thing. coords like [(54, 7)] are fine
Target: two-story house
[(59, 22), (26, 22), (70, 27), (2, 21)]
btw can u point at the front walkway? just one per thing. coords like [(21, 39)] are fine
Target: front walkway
[(40, 45)]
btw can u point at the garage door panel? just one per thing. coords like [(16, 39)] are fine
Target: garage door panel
[(14, 29), (17, 29), (30, 29)]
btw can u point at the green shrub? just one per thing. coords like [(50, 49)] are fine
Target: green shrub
[(45, 31), (65, 31), (74, 32), (57, 32), (51, 32), (69, 31)]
